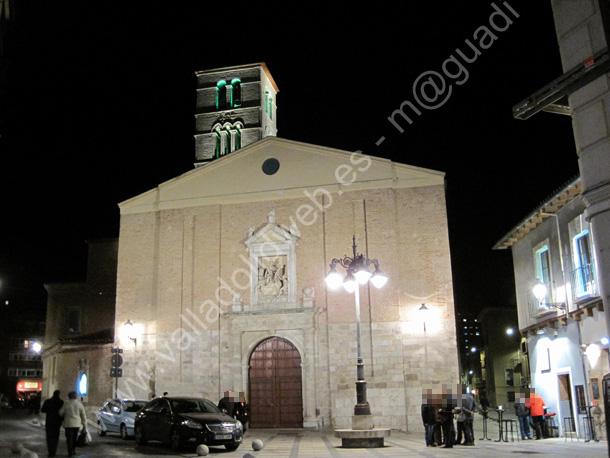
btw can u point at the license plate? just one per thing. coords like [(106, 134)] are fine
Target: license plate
[(223, 437)]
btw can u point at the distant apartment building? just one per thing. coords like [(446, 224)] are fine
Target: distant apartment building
[(468, 332), (21, 342), (504, 364)]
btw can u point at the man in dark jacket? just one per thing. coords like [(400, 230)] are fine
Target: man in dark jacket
[(449, 403), (240, 411), (53, 421), (227, 403), (522, 412), (428, 416)]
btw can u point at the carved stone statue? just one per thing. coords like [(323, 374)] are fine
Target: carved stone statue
[(271, 216), (272, 277)]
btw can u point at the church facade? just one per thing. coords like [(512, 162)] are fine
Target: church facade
[(220, 281)]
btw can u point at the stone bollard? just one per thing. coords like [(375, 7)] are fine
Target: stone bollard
[(25, 453), (203, 450), (257, 445)]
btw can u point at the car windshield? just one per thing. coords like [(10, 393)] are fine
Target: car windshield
[(194, 406), (133, 406)]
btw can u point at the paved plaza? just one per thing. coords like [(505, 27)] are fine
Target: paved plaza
[(299, 443)]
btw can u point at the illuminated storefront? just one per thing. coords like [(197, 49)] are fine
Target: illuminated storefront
[(28, 387)]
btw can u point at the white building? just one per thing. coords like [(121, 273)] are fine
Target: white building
[(560, 309)]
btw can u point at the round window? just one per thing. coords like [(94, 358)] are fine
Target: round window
[(270, 166)]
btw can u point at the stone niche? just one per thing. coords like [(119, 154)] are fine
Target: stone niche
[(273, 279)]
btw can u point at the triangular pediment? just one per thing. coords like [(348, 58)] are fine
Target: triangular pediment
[(271, 232), (239, 176)]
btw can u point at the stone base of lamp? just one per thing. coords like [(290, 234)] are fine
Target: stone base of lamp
[(360, 422), (363, 433), (362, 438)]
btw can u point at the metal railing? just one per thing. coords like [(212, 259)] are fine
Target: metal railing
[(584, 283), (539, 308)]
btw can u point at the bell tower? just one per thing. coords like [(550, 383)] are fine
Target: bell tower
[(236, 106)]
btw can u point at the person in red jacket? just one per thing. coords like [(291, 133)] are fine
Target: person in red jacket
[(536, 406)]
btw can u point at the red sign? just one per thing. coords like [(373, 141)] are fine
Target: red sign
[(29, 385)]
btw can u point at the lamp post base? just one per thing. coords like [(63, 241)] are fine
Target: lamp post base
[(362, 422), (362, 438), (362, 408)]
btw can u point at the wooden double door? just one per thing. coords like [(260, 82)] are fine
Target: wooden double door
[(275, 385)]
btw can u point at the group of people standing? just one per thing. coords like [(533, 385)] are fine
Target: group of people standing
[(529, 409), (235, 407), (70, 414), (438, 411)]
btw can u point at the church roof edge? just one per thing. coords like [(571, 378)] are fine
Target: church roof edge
[(151, 197)]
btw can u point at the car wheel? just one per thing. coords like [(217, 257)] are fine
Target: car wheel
[(101, 432), (140, 438), (176, 440), (123, 432), (231, 447)]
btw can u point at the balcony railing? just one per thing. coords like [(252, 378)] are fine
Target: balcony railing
[(546, 306), (584, 283)]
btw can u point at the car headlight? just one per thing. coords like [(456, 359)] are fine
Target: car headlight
[(192, 424), (239, 426)]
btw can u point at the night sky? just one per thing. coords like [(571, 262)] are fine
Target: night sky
[(102, 97)]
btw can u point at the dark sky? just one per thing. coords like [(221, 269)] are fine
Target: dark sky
[(101, 97)]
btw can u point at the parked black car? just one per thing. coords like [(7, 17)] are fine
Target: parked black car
[(179, 421)]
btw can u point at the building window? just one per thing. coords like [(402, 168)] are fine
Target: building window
[(237, 137), (82, 384), (227, 137), (509, 377), (221, 95), (542, 264), (584, 273), (73, 321), (217, 143), (227, 142), (235, 93), (270, 107), (266, 102)]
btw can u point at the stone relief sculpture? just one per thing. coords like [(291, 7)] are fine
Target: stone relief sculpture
[(272, 277), (272, 250)]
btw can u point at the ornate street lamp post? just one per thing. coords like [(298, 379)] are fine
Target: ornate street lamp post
[(358, 272)]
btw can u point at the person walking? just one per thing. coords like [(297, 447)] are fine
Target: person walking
[(428, 416), (536, 406), (523, 416), (74, 418), (52, 425)]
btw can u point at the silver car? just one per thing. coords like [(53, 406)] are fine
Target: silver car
[(117, 416)]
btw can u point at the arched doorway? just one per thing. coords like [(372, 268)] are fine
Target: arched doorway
[(276, 399)]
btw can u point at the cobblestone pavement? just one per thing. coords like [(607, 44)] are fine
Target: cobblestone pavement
[(298, 443)]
